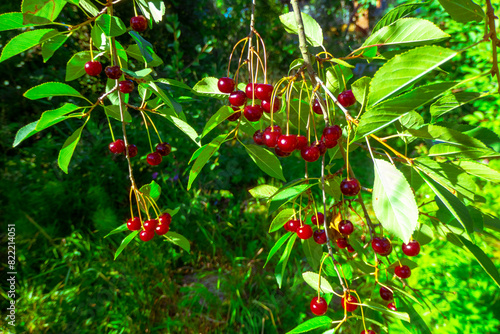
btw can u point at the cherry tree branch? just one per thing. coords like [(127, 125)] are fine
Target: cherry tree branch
[(490, 16)]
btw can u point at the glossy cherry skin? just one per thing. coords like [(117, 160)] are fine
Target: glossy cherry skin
[(292, 225), (321, 146), (287, 143), (236, 116), (346, 99), (402, 271), (349, 303), (368, 332), (237, 98), (392, 307), (319, 237), (126, 86), (301, 142), (350, 187), (139, 23), (328, 143), (258, 137), (263, 91), (342, 243), (320, 219), (132, 150), (346, 227), (164, 149), (113, 72), (266, 105), (162, 229), (93, 68), (350, 249), (382, 246), (271, 135), (333, 132), (253, 113), (411, 249), (310, 153), (317, 107), (280, 153), (249, 90), (226, 85), (134, 224), (318, 305), (150, 225), (165, 218), (154, 158), (146, 235), (117, 147), (386, 294), (304, 232)]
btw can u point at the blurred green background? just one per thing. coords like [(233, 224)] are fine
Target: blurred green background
[(68, 281)]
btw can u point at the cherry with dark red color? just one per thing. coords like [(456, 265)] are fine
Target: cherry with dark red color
[(382, 246), (368, 332), (304, 232), (321, 146), (342, 243), (412, 248), (117, 147), (386, 294), (287, 143), (317, 107), (280, 153), (292, 225), (249, 90), (93, 68), (253, 113), (139, 23), (319, 237), (349, 303), (236, 116), (258, 137), (333, 132), (154, 158), (346, 227), (162, 229), (132, 150), (264, 91), (318, 306), (346, 99), (350, 187), (301, 142), (164, 149), (392, 307), (113, 72), (226, 85), (134, 224), (329, 143), (266, 105), (402, 271), (271, 135), (146, 235), (165, 218), (350, 249), (237, 98), (310, 153), (126, 86), (150, 224), (319, 219)]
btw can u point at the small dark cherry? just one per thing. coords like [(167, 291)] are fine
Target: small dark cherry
[(165, 218), (319, 237), (350, 249), (304, 232), (266, 105), (263, 91), (154, 158), (346, 227), (258, 137), (150, 224), (319, 219), (146, 235), (382, 246), (292, 225), (368, 332), (134, 224), (236, 116), (346, 99), (301, 142), (162, 229), (318, 305), (113, 72), (117, 147), (310, 153), (386, 294), (402, 271), (328, 142), (226, 85), (317, 107), (392, 307), (93, 68), (280, 153), (321, 146), (349, 303), (132, 150), (164, 149), (237, 98), (287, 143), (126, 86), (342, 243), (253, 112), (350, 187), (139, 23), (412, 248)]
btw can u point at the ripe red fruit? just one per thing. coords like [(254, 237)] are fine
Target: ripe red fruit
[(253, 113), (258, 137), (117, 147), (332, 133), (280, 153), (321, 146), (113, 72), (318, 306), (271, 135), (382, 246), (292, 225), (320, 219), (350, 187), (310, 153), (402, 271), (320, 237), (126, 86), (346, 98), (392, 306), (154, 158), (93, 68), (301, 142), (134, 224), (342, 243), (237, 98), (165, 218), (139, 23), (249, 90), (226, 85), (287, 143), (132, 150), (236, 116), (146, 235), (329, 143), (386, 294), (304, 232), (346, 227), (350, 249), (162, 229), (349, 303), (164, 149), (411, 249), (150, 224), (317, 107), (368, 332), (266, 105), (263, 91)]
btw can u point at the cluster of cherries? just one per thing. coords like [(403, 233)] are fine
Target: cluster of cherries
[(150, 226), (155, 158)]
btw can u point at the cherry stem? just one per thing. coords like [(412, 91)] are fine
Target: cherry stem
[(490, 13)]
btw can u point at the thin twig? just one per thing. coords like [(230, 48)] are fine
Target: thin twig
[(490, 14)]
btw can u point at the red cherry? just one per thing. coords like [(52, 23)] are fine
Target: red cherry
[(382, 246), (236, 116), (318, 306), (349, 303), (332, 132), (150, 224), (146, 235), (411, 249), (162, 229), (329, 143), (134, 224), (319, 237), (164, 149), (237, 98), (292, 225), (346, 227), (117, 147), (319, 219), (263, 91), (113, 72), (310, 153), (266, 105), (139, 23), (258, 137), (301, 142), (402, 271), (368, 332), (253, 113), (317, 107), (350, 249), (392, 306), (321, 145), (342, 243), (304, 232), (226, 85), (249, 90), (346, 98), (280, 153), (126, 86), (93, 68), (154, 158), (271, 135), (165, 219), (386, 294), (350, 187), (287, 143), (132, 150)]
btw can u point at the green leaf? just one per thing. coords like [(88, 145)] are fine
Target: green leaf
[(204, 156), (178, 240), (312, 279), (395, 14), (25, 132), (383, 309), (393, 201), (114, 111), (407, 32), (266, 161), (280, 219), (483, 260), (491, 222), (208, 87), (25, 41), (217, 118), (75, 67), (141, 74), (360, 90), (287, 194), (111, 26), (145, 47), (9, 21), (415, 318), (153, 87), (119, 229), (135, 52), (463, 10), (332, 187), (152, 8), (51, 117), (462, 152), (263, 191), (312, 30), (48, 9), (450, 102), (50, 89), (309, 325), (175, 83), (151, 192), (277, 246), (295, 65), (125, 243), (68, 149), (404, 70), (404, 262), (184, 127), (337, 77), (313, 252), (50, 46), (479, 170), (89, 7), (279, 272)]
